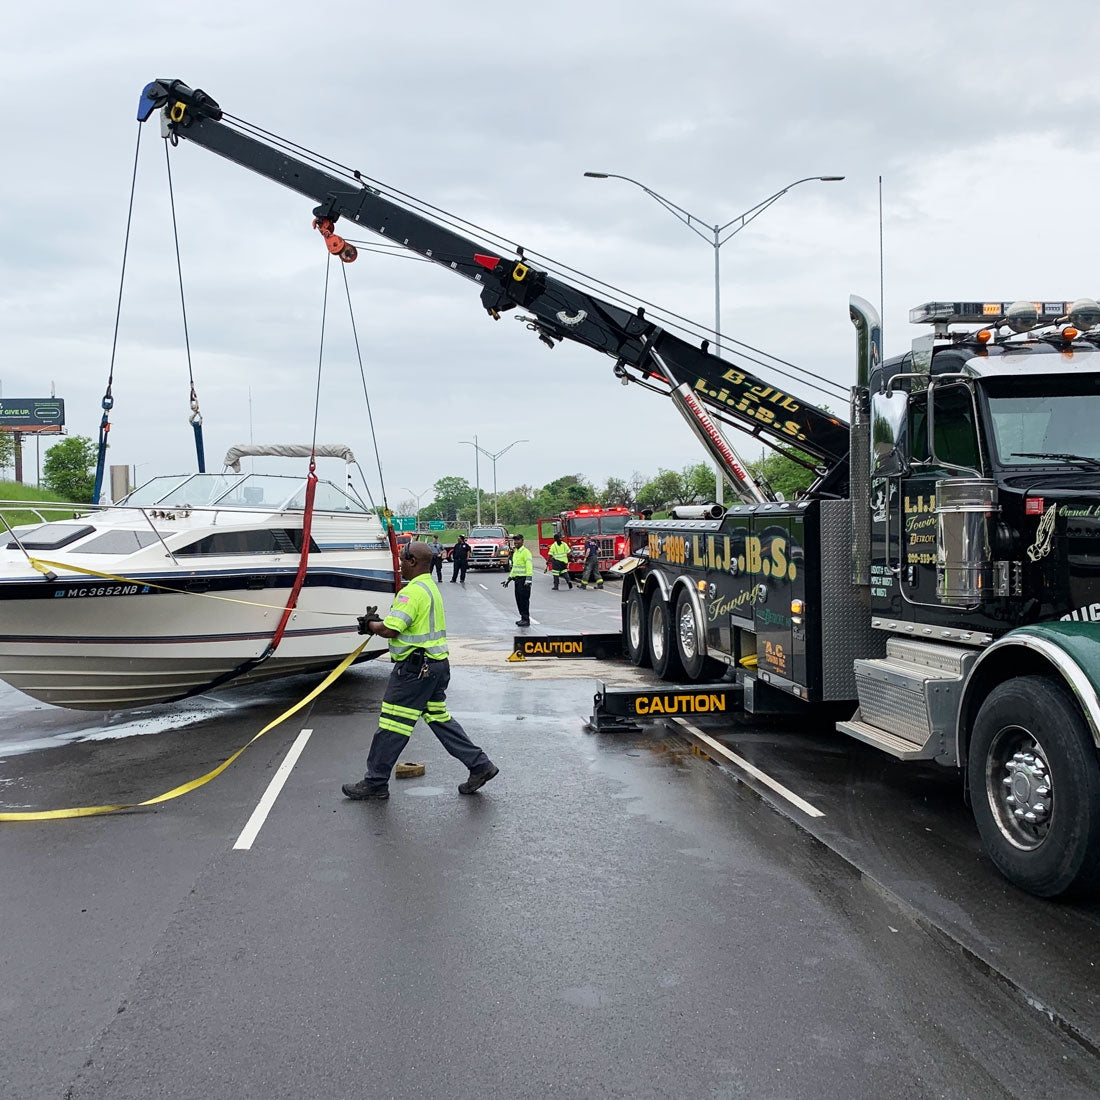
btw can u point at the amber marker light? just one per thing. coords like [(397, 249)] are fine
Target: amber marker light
[(983, 336)]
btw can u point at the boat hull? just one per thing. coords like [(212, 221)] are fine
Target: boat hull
[(101, 645)]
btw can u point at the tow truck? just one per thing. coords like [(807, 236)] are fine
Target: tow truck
[(575, 525), (939, 580)]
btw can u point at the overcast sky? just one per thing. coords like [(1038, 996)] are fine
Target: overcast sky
[(980, 119)]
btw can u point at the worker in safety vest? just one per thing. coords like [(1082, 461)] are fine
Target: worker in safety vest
[(417, 629), (522, 569), (557, 560)]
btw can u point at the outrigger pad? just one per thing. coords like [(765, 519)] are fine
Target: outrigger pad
[(599, 647), (621, 709)]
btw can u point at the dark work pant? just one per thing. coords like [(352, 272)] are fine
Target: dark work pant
[(560, 571), (459, 573), (409, 697), (437, 565), (522, 585), (591, 572)]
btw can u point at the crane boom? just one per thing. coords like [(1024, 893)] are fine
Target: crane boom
[(559, 310)]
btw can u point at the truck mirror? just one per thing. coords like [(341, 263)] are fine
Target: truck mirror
[(889, 434)]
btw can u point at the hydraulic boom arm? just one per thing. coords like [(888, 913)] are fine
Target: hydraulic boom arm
[(558, 310)]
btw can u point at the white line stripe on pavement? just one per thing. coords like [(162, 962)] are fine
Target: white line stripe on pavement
[(754, 771), (263, 808)]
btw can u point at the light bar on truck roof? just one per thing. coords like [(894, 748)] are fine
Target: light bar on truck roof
[(979, 313)]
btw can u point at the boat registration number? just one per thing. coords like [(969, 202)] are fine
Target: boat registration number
[(102, 590)]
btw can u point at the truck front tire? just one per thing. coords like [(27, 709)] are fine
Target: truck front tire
[(1034, 780)]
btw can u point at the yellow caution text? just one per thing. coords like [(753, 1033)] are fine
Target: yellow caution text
[(552, 649), (680, 704)]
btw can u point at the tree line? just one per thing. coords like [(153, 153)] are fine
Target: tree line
[(68, 470), (455, 499)]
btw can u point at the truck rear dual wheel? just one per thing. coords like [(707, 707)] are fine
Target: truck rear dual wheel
[(635, 629), (691, 642), (1034, 779), (663, 652)]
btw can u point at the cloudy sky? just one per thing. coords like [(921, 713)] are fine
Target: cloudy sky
[(980, 119)]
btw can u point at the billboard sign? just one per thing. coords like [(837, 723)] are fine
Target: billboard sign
[(32, 414)]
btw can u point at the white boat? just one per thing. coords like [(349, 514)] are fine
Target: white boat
[(180, 587)]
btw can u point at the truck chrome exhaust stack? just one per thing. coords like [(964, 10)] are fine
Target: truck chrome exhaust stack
[(868, 356)]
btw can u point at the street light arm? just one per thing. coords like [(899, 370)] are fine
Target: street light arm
[(509, 447), (676, 211), (754, 212)]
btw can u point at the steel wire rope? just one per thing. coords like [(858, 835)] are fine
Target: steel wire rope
[(196, 416), (366, 393), (108, 399), (671, 319)]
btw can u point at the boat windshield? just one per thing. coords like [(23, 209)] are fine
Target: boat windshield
[(1048, 416), (266, 492)]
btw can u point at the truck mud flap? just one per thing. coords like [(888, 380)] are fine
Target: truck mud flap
[(624, 709), (599, 647)]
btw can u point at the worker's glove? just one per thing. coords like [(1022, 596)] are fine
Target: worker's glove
[(371, 616), (504, 584)]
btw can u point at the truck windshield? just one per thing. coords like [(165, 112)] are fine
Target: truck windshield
[(613, 525), (487, 532), (584, 525), (1050, 416)]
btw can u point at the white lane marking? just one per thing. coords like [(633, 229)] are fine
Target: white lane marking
[(754, 771), (536, 622), (263, 807), (485, 586)]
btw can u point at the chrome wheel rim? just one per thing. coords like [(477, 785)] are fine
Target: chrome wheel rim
[(634, 623), (657, 633), (689, 644), (1020, 787)]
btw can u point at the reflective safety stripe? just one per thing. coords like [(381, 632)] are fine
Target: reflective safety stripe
[(437, 712), (398, 719), (401, 616), (395, 727), (399, 711)]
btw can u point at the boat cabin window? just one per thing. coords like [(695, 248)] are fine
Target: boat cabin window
[(51, 536), (273, 541), (119, 542)]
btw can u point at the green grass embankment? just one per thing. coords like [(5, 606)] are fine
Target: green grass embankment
[(12, 492)]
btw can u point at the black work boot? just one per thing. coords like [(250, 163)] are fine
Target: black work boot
[(478, 779), (361, 792)]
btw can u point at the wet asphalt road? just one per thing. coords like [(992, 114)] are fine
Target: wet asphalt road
[(612, 916)]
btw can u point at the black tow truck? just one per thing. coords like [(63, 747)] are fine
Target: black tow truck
[(939, 582)]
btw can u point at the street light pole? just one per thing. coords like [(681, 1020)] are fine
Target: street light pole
[(493, 457), (715, 239), (406, 489), (477, 474)]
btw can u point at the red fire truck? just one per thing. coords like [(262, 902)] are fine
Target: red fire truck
[(606, 525)]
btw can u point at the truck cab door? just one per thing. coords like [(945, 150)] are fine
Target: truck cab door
[(944, 444)]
